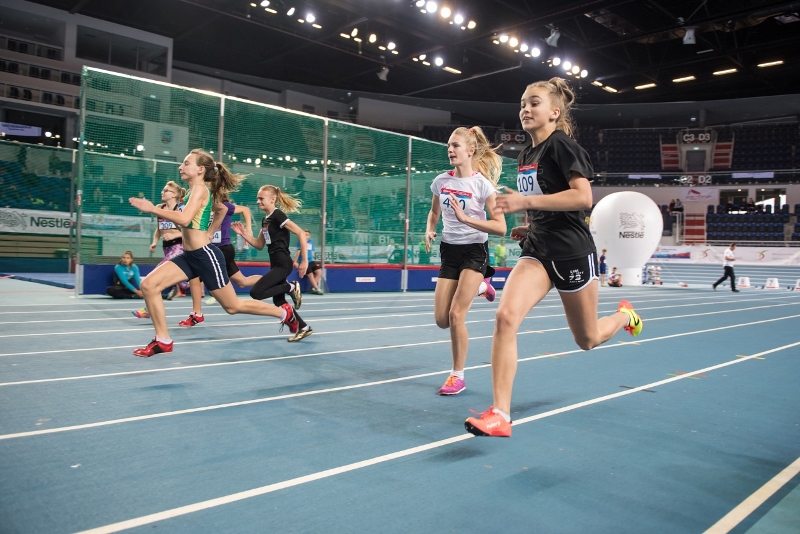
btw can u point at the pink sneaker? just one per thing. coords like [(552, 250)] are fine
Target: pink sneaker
[(490, 292), (452, 386)]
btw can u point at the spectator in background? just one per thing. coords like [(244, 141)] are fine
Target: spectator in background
[(678, 205), (729, 207), (314, 272), (127, 282), (614, 279), (500, 253), (603, 268), (671, 207), (750, 206), (97, 195)]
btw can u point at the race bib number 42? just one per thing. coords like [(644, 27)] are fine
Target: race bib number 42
[(527, 183)]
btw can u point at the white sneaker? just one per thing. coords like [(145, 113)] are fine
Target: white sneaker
[(211, 300)]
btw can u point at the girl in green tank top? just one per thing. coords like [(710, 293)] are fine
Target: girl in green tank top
[(202, 220)]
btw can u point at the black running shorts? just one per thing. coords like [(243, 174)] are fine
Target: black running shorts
[(456, 258), (569, 276), (206, 263)]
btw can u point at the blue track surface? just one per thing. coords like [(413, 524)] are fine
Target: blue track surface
[(239, 431)]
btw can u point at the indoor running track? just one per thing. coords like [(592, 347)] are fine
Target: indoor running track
[(694, 425)]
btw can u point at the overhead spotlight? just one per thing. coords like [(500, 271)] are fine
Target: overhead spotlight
[(373, 38), (523, 47), (354, 32), (438, 61), (422, 56), (420, 3), (535, 52), (504, 38), (391, 46), (445, 12), (458, 19), (584, 73), (513, 42), (575, 69), (567, 65), (471, 25), (598, 84), (290, 12), (556, 61), (553, 39), (431, 7), (310, 17), (688, 37), (384, 72), (48, 134), (264, 3)]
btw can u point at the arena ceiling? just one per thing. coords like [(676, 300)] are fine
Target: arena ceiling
[(621, 44)]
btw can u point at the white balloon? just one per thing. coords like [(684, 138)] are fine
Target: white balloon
[(629, 226)]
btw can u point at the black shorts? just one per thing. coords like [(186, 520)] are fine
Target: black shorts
[(229, 252), (206, 263), (456, 258), (569, 276), (312, 267)]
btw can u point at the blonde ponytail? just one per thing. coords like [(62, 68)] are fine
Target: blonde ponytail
[(562, 97), (485, 160), (287, 202)]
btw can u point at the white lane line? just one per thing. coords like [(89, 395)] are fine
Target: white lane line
[(271, 488), (321, 333), (750, 504), (351, 317), (350, 387)]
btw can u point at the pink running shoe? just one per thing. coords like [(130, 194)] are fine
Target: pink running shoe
[(141, 313), (452, 386), (490, 292)]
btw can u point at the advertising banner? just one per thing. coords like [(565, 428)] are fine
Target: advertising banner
[(24, 221)]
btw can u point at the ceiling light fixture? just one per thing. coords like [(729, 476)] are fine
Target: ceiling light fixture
[(721, 72), (438, 61), (556, 61), (373, 38), (264, 3), (684, 79), (431, 7), (504, 38), (345, 35), (458, 19), (290, 12), (420, 3), (689, 37), (610, 89), (597, 84), (445, 12), (770, 64), (391, 45), (471, 25), (645, 86), (452, 70), (535, 52), (584, 73), (553, 39), (513, 42), (567, 65), (270, 10), (576, 69), (523, 47), (310, 17), (422, 56), (354, 32)]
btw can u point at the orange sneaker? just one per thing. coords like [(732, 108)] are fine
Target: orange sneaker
[(490, 423)]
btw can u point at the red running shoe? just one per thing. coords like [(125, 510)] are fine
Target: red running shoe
[(291, 320), (192, 320), (154, 347), (488, 424)]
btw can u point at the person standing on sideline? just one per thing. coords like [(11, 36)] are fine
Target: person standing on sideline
[(500, 253), (127, 282), (460, 197), (557, 246), (275, 228), (200, 259), (727, 264), (314, 272), (603, 268)]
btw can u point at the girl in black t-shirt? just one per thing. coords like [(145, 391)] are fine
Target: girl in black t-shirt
[(275, 228), (557, 247)]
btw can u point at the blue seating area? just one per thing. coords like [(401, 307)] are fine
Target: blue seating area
[(26, 190), (747, 226)]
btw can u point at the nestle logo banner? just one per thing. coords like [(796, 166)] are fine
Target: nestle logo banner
[(700, 194)]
